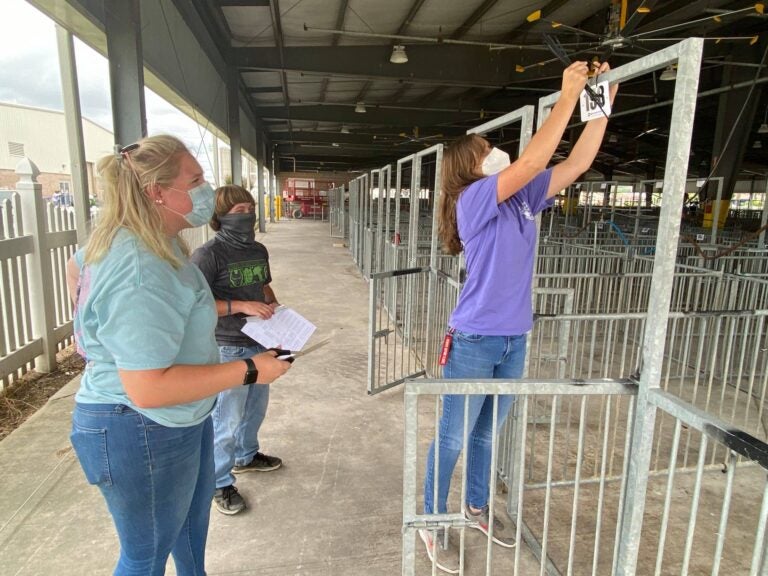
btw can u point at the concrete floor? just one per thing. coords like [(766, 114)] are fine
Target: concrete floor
[(334, 508)]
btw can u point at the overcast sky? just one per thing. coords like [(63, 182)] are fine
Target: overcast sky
[(29, 75)]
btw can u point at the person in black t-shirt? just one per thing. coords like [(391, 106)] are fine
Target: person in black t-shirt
[(236, 267)]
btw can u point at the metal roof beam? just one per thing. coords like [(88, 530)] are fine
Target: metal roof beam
[(441, 64), (391, 136), (347, 115)]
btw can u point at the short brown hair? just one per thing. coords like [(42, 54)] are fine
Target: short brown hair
[(227, 197)]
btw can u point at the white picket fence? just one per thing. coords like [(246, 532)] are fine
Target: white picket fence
[(36, 241)]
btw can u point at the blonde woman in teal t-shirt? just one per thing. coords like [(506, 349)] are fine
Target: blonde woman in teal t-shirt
[(144, 321)]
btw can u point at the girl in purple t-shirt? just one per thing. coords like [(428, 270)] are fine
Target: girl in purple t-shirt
[(488, 210)]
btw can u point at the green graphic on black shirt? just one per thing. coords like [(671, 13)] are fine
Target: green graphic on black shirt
[(247, 273)]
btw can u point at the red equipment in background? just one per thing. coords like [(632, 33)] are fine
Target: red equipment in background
[(306, 197)]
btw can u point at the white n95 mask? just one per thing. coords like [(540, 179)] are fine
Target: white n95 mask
[(495, 162)]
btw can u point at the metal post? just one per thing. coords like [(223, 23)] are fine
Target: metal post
[(271, 162), (432, 339), (233, 115), (122, 21), (764, 220), (74, 123), (41, 295), (260, 183), (688, 56), (716, 211)]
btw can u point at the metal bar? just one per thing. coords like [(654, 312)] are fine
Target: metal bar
[(694, 506), (688, 55), (725, 510)]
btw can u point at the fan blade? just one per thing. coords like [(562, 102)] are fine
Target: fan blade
[(698, 21), (637, 16), (554, 46), (555, 24)]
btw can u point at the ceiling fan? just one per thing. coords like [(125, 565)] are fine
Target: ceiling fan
[(619, 30), (415, 138)]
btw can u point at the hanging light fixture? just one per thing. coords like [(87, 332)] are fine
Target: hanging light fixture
[(757, 144), (344, 129), (669, 73), (398, 54), (360, 107)]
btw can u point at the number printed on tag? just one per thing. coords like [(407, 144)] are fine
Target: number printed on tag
[(589, 109)]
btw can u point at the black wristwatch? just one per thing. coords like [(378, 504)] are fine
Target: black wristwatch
[(251, 374)]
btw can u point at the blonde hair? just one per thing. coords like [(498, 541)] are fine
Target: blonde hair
[(226, 198), (460, 161), (125, 203)]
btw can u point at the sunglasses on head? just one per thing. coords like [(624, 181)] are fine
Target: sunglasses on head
[(129, 148)]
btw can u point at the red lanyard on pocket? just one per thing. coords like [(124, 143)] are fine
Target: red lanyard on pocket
[(446, 349)]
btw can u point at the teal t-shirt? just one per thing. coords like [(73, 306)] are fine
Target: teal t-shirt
[(136, 312)]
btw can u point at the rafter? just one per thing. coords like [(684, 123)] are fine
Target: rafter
[(277, 29)]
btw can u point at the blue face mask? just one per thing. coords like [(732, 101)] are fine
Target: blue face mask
[(203, 200)]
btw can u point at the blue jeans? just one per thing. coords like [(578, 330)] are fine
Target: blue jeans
[(237, 417), (472, 357), (157, 481)]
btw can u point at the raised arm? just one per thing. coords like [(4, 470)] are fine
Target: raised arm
[(542, 146), (585, 150)]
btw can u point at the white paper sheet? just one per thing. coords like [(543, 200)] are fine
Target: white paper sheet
[(286, 329)]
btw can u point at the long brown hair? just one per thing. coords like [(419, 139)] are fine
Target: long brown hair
[(460, 161)]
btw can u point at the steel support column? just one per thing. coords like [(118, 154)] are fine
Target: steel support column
[(233, 116), (126, 69), (735, 116), (260, 163), (74, 123)]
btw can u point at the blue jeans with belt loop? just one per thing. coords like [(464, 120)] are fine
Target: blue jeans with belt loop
[(237, 418), (157, 481), (472, 356)]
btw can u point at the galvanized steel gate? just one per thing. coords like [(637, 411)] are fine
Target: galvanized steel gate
[(603, 310)]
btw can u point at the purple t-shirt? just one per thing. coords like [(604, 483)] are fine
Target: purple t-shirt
[(499, 242)]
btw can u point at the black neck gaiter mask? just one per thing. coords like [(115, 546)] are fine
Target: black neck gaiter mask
[(238, 229)]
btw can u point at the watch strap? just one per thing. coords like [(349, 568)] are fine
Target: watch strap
[(251, 374)]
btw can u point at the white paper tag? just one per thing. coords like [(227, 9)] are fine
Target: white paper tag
[(590, 110), (699, 237)]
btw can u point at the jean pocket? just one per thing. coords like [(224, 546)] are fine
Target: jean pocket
[(91, 448), (468, 337), (231, 350)]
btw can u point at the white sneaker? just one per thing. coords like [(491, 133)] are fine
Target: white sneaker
[(445, 557), (503, 534)]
